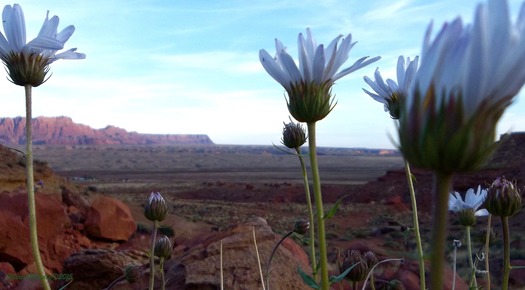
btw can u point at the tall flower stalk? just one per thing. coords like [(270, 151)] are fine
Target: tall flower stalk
[(392, 94), (469, 75), (154, 210), (27, 65), (487, 247), (308, 87), (504, 200), (294, 137)]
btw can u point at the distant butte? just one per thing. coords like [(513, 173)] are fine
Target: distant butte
[(63, 131)]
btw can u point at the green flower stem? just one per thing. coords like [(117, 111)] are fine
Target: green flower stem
[(454, 266), (31, 192), (487, 245), (313, 259), (323, 254), (372, 283), (470, 261), (420, 254), (442, 185), (271, 257), (152, 255), (506, 253), (161, 269)]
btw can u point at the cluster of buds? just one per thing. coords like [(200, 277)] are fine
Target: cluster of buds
[(156, 207), (361, 264), (503, 198), (293, 135)]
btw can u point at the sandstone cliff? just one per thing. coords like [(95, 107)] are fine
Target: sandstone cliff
[(63, 131)]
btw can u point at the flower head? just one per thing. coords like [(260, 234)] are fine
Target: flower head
[(469, 75), (293, 135), (309, 85), (503, 198), (28, 63), (156, 208), (354, 259), (163, 247), (467, 210), (301, 226), (370, 259), (392, 94)]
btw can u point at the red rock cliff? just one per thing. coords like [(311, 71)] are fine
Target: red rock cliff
[(63, 131)]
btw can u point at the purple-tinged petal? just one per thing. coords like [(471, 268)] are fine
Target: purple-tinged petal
[(69, 54), (14, 26), (273, 69)]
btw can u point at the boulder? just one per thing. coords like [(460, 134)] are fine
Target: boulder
[(109, 219), (14, 229), (97, 268), (196, 264)]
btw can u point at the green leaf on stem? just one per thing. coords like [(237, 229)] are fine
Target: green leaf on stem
[(308, 280), (333, 210), (335, 279)]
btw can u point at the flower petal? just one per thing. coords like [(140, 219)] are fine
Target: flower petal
[(46, 42), (481, 212), (69, 54), (14, 26), (273, 69), (357, 65)]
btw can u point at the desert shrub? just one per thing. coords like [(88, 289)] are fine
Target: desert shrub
[(143, 229), (167, 231)]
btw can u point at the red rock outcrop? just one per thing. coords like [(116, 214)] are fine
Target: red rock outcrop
[(14, 233), (63, 131), (109, 219), (196, 264), (61, 209)]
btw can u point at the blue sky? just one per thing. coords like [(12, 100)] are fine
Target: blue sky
[(191, 67)]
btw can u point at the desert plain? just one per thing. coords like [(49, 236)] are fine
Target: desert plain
[(212, 187)]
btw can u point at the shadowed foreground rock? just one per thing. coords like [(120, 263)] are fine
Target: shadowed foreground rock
[(196, 265)]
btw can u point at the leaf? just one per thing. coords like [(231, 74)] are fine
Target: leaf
[(335, 279), (308, 280), (333, 210), (64, 287)]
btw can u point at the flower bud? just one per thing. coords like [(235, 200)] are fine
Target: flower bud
[(293, 135), (503, 198), (163, 247), (370, 259), (301, 227), (132, 273), (360, 268), (156, 208)]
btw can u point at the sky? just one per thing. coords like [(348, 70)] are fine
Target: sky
[(192, 67)]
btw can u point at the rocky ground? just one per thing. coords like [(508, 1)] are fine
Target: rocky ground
[(88, 230)]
